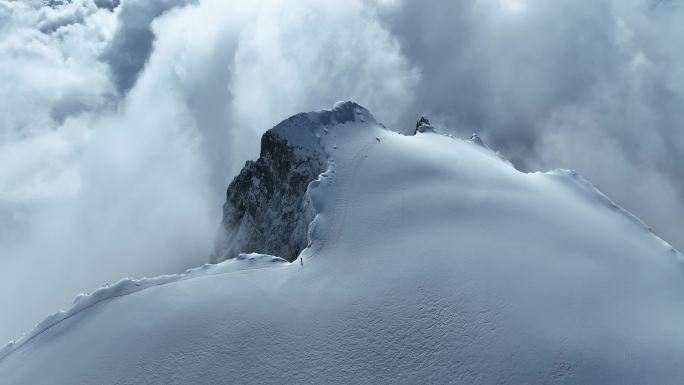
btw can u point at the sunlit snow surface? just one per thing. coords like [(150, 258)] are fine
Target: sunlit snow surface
[(432, 261)]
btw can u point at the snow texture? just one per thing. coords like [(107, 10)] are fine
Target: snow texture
[(127, 286), (431, 260)]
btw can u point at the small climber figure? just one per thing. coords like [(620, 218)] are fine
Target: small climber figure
[(423, 125), (301, 260)]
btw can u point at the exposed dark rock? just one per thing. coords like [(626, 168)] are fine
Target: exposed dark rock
[(423, 125), (267, 210), (423, 120)]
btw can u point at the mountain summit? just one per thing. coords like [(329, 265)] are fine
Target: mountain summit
[(428, 259), (268, 209)]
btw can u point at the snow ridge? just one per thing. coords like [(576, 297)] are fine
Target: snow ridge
[(584, 186), (126, 286)]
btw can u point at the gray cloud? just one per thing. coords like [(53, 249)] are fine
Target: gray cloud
[(596, 86), (130, 47), (115, 153), (107, 4), (121, 124)]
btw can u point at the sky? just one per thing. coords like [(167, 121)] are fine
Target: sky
[(122, 122)]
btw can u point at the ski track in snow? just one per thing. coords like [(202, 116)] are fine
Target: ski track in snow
[(341, 203)]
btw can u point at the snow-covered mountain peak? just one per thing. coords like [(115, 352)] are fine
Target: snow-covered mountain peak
[(345, 112), (268, 209), (423, 125), (304, 131), (424, 259)]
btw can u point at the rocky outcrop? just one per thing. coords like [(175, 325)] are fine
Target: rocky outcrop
[(423, 125), (267, 209)]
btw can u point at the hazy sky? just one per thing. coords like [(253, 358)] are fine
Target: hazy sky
[(122, 124)]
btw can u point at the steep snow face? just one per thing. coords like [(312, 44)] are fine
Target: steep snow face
[(431, 260), (267, 208)]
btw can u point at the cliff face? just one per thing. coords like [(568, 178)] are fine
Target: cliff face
[(267, 209)]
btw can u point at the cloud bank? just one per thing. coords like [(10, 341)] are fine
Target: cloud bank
[(120, 130), (121, 123), (596, 86)]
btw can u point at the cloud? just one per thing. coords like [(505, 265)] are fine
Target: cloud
[(131, 45), (573, 139), (297, 55), (122, 124), (574, 84), (123, 128)]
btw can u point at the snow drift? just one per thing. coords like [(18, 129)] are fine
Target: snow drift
[(430, 260)]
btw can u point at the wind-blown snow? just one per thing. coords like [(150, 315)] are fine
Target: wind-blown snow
[(432, 261)]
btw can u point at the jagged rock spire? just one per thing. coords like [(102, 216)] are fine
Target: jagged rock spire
[(422, 121), (423, 125)]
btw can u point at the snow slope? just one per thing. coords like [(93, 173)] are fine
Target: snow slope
[(432, 260)]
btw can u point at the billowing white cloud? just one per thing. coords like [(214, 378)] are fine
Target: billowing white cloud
[(123, 128), (296, 55), (120, 126)]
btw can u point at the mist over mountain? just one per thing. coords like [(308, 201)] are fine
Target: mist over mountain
[(428, 259), (123, 122)]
